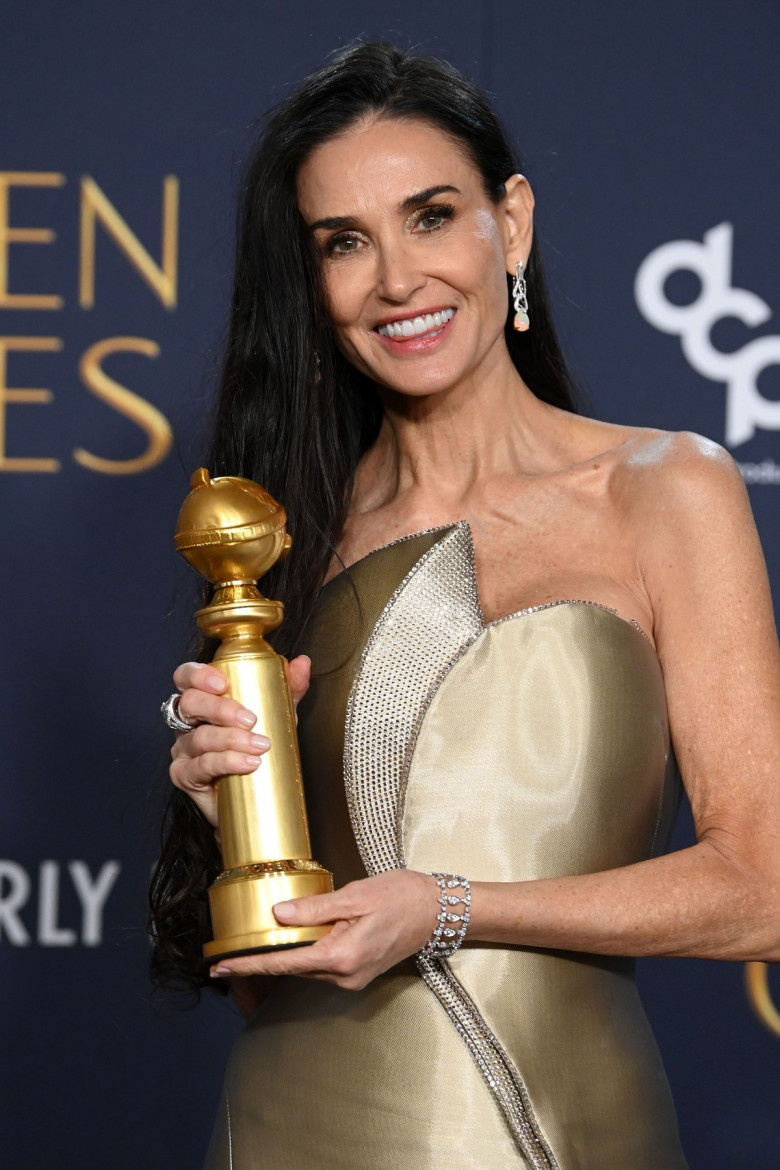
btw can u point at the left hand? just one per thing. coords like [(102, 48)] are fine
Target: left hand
[(377, 922)]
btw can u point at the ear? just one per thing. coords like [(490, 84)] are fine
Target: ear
[(518, 221)]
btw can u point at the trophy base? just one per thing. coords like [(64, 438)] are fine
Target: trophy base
[(242, 902)]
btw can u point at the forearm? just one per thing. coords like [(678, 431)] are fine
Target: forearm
[(693, 903)]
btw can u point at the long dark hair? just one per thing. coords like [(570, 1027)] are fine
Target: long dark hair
[(291, 412)]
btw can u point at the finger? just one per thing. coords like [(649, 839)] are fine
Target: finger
[(298, 676), (201, 676), (200, 706), (283, 963), (210, 738), (315, 909), (192, 775), (316, 959)]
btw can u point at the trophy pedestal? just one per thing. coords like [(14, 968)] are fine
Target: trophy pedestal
[(241, 901)]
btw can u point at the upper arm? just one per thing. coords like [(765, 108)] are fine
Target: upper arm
[(704, 571)]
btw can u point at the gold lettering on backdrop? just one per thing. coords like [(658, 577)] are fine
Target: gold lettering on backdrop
[(154, 424), (162, 278), (760, 996), (28, 395), (24, 235)]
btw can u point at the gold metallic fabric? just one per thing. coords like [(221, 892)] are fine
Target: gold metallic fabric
[(526, 748)]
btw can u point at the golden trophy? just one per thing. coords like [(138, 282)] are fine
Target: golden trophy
[(232, 532)]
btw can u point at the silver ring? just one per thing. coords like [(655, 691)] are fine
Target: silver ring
[(170, 713)]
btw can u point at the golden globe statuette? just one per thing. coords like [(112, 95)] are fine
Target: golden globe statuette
[(232, 532)]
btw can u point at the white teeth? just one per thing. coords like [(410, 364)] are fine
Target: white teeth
[(416, 326)]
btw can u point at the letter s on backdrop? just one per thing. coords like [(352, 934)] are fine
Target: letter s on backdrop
[(151, 421)]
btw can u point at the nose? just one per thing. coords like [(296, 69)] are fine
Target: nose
[(397, 274)]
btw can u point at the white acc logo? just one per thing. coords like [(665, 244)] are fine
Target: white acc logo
[(746, 408)]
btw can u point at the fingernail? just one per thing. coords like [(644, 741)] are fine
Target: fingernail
[(285, 912), (220, 972), (215, 683), (254, 761), (259, 741), (247, 718)]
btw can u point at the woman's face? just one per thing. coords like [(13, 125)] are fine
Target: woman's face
[(414, 254)]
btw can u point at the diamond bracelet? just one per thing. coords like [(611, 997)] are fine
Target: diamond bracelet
[(450, 929)]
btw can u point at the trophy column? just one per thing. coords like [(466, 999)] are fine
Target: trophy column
[(233, 532)]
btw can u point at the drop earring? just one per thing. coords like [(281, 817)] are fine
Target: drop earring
[(519, 298)]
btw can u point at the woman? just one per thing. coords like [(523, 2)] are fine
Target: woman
[(511, 613)]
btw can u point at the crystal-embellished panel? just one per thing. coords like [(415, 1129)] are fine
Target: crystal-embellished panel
[(430, 621)]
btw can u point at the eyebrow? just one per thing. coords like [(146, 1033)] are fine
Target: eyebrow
[(412, 201)]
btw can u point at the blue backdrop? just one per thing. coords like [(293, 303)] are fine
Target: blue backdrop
[(643, 126)]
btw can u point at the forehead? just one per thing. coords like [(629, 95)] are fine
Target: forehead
[(381, 159)]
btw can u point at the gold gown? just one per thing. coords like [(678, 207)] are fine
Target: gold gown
[(529, 747)]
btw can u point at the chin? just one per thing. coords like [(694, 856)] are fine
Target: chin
[(420, 383), (418, 390)]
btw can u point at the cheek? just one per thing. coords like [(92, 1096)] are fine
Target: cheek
[(345, 291), (500, 293), (489, 274), (343, 301), (491, 247), (475, 261), (486, 228)]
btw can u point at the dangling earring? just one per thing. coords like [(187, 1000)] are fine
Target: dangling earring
[(519, 297)]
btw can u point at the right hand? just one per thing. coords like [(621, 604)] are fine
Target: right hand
[(225, 740)]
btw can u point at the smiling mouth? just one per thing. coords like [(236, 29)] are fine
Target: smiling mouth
[(428, 323)]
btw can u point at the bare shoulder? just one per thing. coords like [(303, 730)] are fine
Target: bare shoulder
[(698, 553), (684, 510), (678, 476)]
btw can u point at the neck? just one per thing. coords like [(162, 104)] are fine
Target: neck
[(439, 445)]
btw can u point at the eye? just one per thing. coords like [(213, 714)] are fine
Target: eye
[(342, 245), (430, 219)]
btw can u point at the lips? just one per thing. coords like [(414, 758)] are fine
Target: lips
[(416, 326)]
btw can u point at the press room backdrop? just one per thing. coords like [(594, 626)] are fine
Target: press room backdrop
[(650, 137)]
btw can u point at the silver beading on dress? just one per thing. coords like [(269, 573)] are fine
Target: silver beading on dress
[(432, 618), (447, 936)]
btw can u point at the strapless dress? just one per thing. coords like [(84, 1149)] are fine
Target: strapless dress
[(530, 747)]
